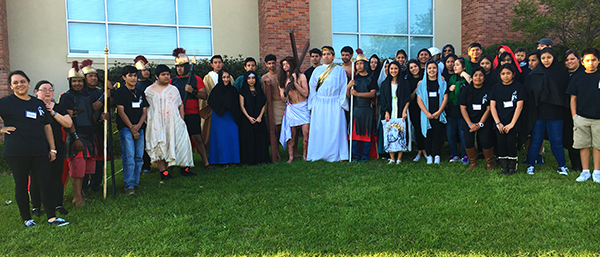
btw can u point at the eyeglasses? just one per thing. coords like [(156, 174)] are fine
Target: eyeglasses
[(447, 50), (47, 90)]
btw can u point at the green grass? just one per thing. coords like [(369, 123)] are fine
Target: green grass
[(320, 208)]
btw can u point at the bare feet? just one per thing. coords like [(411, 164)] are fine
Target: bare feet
[(290, 160)]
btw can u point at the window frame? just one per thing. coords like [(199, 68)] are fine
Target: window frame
[(408, 35), (106, 23)]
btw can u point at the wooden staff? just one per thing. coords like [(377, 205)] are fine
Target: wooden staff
[(351, 111), (105, 111)]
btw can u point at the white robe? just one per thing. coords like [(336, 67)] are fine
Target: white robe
[(328, 138), (166, 133)]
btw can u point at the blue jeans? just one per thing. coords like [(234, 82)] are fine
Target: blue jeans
[(454, 131), (132, 152), (555, 133), (366, 149)]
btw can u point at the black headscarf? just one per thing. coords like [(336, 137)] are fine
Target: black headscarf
[(224, 97), (253, 102), (402, 92)]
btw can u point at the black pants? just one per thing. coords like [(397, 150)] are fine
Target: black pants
[(507, 143), (55, 184), (484, 136), (36, 166), (415, 119), (433, 141)]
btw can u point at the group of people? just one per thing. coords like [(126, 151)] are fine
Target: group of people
[(483, 105)]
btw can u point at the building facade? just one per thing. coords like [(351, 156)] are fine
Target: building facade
[(53, 34)]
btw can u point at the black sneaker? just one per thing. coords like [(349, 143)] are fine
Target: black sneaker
[(62, 210), (186, 172), (165, 175), (36, 212), (59, 222), (209, 167)]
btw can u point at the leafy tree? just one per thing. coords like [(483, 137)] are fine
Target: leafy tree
[(574, 22)]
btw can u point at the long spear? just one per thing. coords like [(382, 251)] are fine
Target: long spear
[(351, 111), (105, 111)]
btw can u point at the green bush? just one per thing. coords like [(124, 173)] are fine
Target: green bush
[(558, 49)]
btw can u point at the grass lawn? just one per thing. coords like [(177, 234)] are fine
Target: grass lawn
[(337, 209)]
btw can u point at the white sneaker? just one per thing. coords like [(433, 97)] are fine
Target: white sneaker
[(563, 170), (530, 170), (417, 158), (584, 176), (437, 159), (390, 161), (596, 176), (398, 161), (429, 159)]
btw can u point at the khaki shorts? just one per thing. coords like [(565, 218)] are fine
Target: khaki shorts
[(586, 132)]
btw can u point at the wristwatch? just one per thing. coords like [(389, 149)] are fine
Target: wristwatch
[(480, 124)]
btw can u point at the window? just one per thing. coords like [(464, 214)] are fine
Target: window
[(130, 27), (383, 27)]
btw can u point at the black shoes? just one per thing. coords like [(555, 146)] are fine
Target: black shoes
[(165, 175), (185, 171)]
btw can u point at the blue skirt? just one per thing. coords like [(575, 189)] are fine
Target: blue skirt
[(224, 140)]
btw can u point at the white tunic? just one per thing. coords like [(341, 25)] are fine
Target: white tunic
[(166, 133), (328, 136)]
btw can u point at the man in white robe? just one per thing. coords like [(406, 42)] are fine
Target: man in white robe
[(327, 101)]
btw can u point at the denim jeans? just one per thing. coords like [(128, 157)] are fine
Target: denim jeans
[(555, 133), (132, 152), (366, 149), (454, 131)]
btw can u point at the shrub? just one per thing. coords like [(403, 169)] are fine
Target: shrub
[(560, 50)]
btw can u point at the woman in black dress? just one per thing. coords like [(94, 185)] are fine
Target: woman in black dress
[(254, 137), (28, 145)]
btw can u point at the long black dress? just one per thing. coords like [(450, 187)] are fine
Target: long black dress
[(254, 138)]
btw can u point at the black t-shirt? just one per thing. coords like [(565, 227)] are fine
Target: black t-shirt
[(434, 98), (57, 129), (308, 72), (133, 102), (586, 86), (29, 118), (506, 97), (477, 103)]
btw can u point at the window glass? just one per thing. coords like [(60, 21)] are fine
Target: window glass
[(383, 17), (340, 41), (139, 27), (345, 15), (383, 46), (194, 12), (418, 43), (421, 17), (89, 10), (87, 38), (128, 39), (196, 41), (152, 12)]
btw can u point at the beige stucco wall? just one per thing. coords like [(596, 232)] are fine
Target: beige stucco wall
[(237, 32), (447, 28), (37, 37), (320, 23), (37, 40)]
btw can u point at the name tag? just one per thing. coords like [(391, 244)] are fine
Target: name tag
[(508, 104), (433, 94), (31, 115), (476, 107), (136, 104)]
